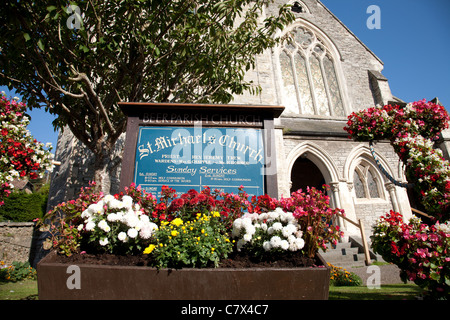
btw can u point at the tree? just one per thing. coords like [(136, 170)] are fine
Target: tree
[(79, 61)]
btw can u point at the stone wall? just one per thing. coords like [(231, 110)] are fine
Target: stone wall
[(16, 241)]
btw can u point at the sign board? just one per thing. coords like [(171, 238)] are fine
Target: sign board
[(187, 146), (187, 158)]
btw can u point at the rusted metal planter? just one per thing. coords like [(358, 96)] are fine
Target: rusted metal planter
[(122, 282)]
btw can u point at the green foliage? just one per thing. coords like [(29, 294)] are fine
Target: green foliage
[(23, 207), (17, 271), (198, 243), (341, 277), (80, 61)]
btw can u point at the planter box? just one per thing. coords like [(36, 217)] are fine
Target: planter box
[(121, 282)]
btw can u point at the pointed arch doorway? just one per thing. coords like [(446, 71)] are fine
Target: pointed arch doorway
[(305, 174)]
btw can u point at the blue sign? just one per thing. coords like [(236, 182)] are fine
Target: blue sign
[(187, 158)]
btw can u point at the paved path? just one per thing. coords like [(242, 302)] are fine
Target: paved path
[(389, 274)]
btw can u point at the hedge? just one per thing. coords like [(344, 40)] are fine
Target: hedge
[(22, 207)]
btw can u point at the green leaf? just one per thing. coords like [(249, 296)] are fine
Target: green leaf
[(41, 45), (26, 36), (447, 281), (84, 48), (434, 276), (51, 8)]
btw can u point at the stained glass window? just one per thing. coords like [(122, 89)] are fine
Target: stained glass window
[(310, 83)]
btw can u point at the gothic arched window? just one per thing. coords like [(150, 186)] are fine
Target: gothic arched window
[(309, 80), (366, 184)]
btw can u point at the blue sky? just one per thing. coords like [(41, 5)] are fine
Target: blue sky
[(413, 42)]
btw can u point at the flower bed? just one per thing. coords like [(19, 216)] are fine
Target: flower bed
[(209, 230)]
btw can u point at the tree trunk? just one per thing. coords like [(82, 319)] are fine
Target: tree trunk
[(101, 167)]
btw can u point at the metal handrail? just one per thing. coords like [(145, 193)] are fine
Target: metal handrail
[(360, 225)]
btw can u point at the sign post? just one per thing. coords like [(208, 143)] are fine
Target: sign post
[(190, 146)]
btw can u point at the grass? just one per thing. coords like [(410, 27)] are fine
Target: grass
[(27, 290), (386, 292), (21, 290)]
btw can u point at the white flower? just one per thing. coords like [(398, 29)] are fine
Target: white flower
[(104, 226), (275, 241), (108, 198), (147, 230), (144, 218), (267, 246), (250, 229), (288, 230), (127, 202), (122, 236), (132, 233), (277, 226), (131, 219), (112, 217), (284, 245), (237, 224), (104, 241), (80, 227), (273, 215), (96, 208), (90, 226), (86, 214), (247, 237)]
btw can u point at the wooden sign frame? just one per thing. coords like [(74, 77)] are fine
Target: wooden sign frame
[(204, 115)]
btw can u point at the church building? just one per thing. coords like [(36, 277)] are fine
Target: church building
[(320, 73)]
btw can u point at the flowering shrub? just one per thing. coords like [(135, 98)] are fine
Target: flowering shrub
[(268, 233), (411, 130), (341, 277), (193, 243), (116, 226), (389, 122), (420, 251), (314, 215), (20, 154), (17, 271)]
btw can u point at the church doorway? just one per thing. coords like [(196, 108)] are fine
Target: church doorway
[(306, 174)]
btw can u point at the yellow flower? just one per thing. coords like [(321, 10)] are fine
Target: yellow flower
[(177, 222), (212, 249), (215, 214), (149, 249), (203, 230), (174, 233)]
